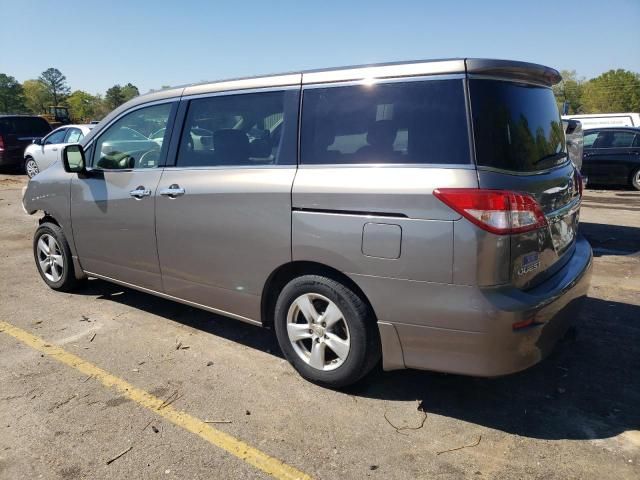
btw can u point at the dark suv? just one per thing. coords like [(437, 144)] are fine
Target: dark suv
[(16, 132), (612, 156)]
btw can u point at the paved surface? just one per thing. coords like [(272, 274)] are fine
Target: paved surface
[(575, 416)]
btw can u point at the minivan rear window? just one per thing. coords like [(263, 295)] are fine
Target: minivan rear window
[(418, 122), (28, 126), (517, 127)]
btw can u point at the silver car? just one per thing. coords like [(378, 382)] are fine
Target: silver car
[(420, 214), (45, 151)]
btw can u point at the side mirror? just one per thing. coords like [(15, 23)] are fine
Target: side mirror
[(73, 159), (572, 125), (37, 141)]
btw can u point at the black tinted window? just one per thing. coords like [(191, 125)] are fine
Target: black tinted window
[(241, 129), (27, 126), (517, 127), (408, 122), (613, 139)]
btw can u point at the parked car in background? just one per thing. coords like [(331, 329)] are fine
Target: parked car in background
[(364, 223), (604, 120), (16, 133), (575, 139), (612, 156), (44, 151)]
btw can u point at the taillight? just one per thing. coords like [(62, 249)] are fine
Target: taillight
[(1, 143), (496, 211)]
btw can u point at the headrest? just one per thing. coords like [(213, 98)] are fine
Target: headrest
[(325, 135), (382, 133), (231, 145), (261, 146)]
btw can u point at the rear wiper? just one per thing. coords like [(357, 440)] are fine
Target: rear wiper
[(553, 156)]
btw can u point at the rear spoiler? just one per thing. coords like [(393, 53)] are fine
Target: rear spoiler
[(529, 72)]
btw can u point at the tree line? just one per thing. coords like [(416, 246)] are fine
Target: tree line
[(613, 91), (51, 89)]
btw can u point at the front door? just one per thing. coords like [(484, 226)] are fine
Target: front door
[(113, 206), (223, 211), (49, 151), (607, 160)]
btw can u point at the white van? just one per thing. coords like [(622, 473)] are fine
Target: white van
[(600, 120)]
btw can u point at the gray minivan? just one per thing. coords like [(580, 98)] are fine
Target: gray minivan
[(422, 213)]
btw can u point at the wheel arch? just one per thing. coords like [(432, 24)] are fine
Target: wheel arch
[(48, 218), (287, 272)]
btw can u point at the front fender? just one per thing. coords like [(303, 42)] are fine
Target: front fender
[(49, 192)]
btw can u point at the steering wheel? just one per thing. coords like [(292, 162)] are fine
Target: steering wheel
[(149, 158)]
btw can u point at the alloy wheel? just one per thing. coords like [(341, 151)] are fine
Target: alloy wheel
[(32, 168), (50, 258), (318, 331)]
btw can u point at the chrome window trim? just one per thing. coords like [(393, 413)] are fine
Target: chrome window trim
[(275, 81), (523, 174), (230, 167), (247, 91), (384, 71), (457, 166), (380, 81)]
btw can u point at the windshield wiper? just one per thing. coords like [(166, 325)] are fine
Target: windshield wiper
[(553, 156)]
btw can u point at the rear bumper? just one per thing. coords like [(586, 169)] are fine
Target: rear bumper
[(10, 158), (475, 332)]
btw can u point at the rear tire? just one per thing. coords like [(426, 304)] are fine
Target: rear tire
[(53, 258), (326, 331), (635, 179), (31, 167)]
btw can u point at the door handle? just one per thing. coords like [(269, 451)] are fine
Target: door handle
[(54, 149), (173, 191), (140, 192)]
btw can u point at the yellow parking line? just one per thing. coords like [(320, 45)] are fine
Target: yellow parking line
[(234, 446)]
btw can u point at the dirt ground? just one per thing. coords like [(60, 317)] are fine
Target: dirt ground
[(574, 416)]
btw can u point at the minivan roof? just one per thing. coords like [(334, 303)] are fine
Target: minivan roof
[(507, 69)]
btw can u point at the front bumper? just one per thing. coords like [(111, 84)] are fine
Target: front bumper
[(477, 336)]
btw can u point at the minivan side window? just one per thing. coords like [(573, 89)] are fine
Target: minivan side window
[(246, 129), (418, 122), (128, 142)]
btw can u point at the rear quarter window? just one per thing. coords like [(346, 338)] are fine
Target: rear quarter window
[(419, 122)]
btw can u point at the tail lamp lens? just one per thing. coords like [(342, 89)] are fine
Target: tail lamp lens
[(497, 211)]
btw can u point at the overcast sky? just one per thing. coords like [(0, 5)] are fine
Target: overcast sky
[(97, 44)]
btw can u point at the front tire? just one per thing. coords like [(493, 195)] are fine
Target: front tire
[(326, 331), (53, 258), (635, 179), (31, 167)]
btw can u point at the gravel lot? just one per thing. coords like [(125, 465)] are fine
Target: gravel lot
[(575, 416)]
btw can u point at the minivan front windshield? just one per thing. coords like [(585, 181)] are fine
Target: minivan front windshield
[(517, 126)]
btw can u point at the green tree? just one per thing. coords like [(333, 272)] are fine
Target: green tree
[(36, 95), (56, 84), (569, 90), (114, 97), (83, 106), (613, 91), (11, 95), (130, 91)]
